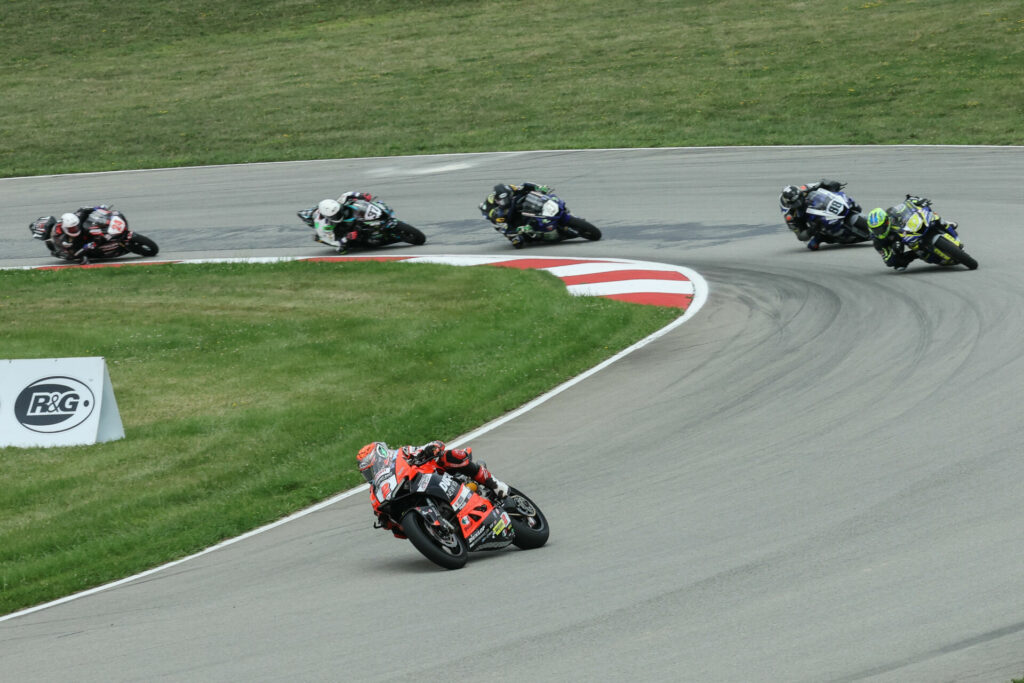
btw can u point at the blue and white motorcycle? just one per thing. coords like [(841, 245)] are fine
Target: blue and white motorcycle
[(833, 218), (545, 218)]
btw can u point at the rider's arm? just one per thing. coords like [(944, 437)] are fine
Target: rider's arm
[(830, 185), (529, 187)]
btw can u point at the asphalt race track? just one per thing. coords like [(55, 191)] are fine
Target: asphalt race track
[(817, 478)]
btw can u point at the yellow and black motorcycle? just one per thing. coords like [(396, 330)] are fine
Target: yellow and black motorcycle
[(930, 238)]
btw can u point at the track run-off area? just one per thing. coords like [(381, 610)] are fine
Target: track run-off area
[(815, 478)]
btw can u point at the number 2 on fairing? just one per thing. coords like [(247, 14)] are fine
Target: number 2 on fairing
[(386, 488)]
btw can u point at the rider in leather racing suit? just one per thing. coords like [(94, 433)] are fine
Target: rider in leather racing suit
[(333, 220), (884, 226), (502, 208), (793, 203), (456, 460), (67, 235)]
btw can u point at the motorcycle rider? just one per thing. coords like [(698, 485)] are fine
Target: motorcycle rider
[(456, 460), (66, 238), (330, 217), (885, 227), (793, 203), (106, 224), (502, 208)]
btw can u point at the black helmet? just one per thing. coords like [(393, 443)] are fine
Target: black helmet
[(790, 196), (502, 195), (497, 204)]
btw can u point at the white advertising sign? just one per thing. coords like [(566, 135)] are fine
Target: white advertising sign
[(57, 402)]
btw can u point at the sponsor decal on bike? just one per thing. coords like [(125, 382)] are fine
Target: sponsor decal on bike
[(54, 404), (462, 498)]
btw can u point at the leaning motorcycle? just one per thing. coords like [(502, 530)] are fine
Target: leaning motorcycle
[(117, 239), (374, 223), (924, 233), (834, 217), (547, 219), (447, 515)]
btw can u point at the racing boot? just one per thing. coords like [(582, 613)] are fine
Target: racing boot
[(485, 477)]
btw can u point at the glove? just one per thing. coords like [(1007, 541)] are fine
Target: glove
[(544, 188), (427, 452)]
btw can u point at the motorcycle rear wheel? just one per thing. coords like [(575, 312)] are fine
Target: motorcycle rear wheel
[(584, 228), (410, 234), (528, 522), (142, 245), (446, 550)]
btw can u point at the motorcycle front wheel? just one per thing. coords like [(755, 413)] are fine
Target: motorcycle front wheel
[(584, 228), (956, 253), (410, 234), (528, 522), (142, 245), (443, 547)]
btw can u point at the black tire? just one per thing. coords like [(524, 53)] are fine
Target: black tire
[(445, 550), (410, 234), (584, 228), (528, 522), (142, 245), (956, 253)]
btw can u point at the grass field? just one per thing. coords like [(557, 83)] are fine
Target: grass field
[(246, 391), (98, 84)]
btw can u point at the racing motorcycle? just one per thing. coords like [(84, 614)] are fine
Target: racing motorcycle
[(374, 223), (106, 233), (547, 219), (447, 515), (930, 238), (834, 218)]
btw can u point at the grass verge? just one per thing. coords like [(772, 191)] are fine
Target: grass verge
[(100, 85), (246, 390)]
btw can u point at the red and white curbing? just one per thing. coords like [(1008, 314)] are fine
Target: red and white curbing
[(641, 282)]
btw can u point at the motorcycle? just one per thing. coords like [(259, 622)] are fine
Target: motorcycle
[(924, 233), (833, 217), (374, 223), (547, 219), (447, 515), (103, 221)]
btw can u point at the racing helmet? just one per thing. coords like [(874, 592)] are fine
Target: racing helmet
[(498, 203), (878, 222), (368, 455), (330, 209), (69, 224), (790, 196)]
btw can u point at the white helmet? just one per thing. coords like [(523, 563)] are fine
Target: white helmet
[(69, 222), (329, 208)]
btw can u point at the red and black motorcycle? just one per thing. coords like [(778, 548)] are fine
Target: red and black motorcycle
[(106, 236), (447, 515)]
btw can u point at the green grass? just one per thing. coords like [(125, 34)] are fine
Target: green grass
[(246, 391), (98, 85)]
